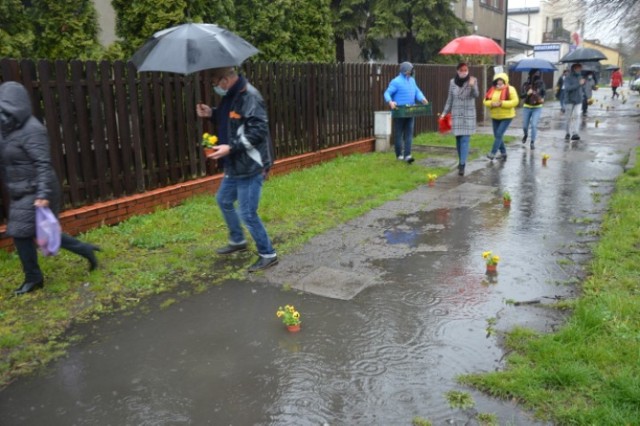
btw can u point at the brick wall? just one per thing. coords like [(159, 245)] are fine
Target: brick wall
[(112, 212)]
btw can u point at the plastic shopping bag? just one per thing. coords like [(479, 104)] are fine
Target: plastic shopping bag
[(48, 231), (444, 123)]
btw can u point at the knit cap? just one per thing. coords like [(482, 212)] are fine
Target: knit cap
[(405, 67)]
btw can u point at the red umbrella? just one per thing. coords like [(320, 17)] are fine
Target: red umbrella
[(472, 45)]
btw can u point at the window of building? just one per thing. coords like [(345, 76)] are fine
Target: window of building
[(495, 4)]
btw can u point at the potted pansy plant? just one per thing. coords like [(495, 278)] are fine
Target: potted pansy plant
[(492, 261), (545, 158), (290, 317), (506, 199), (208, 142)]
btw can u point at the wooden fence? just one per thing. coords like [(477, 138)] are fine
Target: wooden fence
[(116, 132)]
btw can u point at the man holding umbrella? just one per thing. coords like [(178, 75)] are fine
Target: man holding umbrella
[(574, 93), (246, 153)]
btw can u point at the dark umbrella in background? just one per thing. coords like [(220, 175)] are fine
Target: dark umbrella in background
[(529, 64), (190, 48), (584, 54)]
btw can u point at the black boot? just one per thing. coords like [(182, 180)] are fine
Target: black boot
[(28, 287), (81, 249), (461, 170), (28, 255)]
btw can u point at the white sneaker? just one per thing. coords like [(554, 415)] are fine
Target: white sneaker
[(400, 157)]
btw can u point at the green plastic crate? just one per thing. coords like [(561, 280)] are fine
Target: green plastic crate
[(411, 111)]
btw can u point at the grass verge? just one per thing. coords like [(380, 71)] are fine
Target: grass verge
[(158, 252), (479, 144), (588, 372)]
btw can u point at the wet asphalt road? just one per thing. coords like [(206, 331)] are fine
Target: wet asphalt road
[(420, 309)]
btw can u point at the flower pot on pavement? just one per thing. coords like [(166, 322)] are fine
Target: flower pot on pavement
[(492, 269), (293, 328)]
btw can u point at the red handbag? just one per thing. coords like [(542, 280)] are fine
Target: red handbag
[(444, 123)]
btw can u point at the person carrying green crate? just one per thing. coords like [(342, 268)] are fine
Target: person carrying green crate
[(402, 91)]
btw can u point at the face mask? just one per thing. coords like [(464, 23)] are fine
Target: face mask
[(7, 123), (463, 74), (219, 90)]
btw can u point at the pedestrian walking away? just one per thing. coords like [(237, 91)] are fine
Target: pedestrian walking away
[(590, 85), (463, 90), (246, 153), (502, 100), (616, 81), (574, 94), (560, 89), (533, 92), (403, 90), (31, 183)]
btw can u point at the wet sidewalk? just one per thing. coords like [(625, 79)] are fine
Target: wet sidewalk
[(395, 305)]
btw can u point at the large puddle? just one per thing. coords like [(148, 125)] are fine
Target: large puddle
[(382, 357)]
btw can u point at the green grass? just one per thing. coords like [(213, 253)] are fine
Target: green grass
[(587, 373), (480, 144), (160, 252)]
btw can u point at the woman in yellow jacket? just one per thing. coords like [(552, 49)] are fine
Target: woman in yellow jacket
[(502, 100)]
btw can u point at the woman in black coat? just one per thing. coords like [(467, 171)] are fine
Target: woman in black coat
[(31, 181)]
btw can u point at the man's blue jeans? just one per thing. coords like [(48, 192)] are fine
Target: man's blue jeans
[(462, 145), (499, 129), (246, 191), (403, 132), (531, 116)]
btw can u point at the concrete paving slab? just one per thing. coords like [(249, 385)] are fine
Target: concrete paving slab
[(334, 283)]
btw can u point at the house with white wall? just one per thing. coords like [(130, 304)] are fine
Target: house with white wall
[(553, 27)]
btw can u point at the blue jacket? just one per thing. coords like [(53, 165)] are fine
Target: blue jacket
[(403, 90)]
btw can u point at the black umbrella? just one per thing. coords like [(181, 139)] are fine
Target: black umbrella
[(584, 54), (190, 48), (612, 68)]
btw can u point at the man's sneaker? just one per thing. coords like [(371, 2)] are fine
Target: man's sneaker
[(533, 145), (502, 157), (400, 157), (409, 159), (491, 156), (263, 263), (232, 248), (567, 137), (575, 137), (524, 138)]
